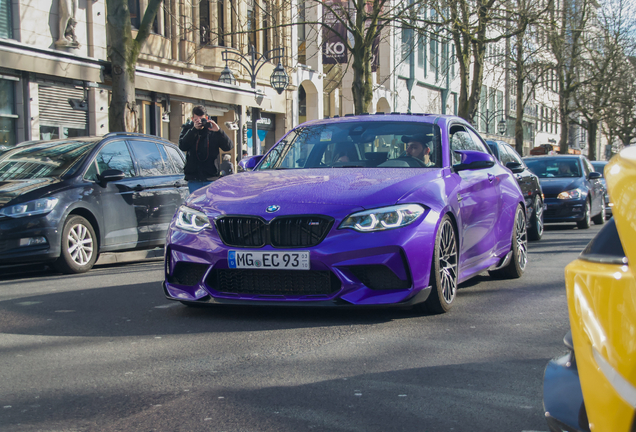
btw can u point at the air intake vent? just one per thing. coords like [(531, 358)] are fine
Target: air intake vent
[(187, 273), (379, 277), (293, 283)]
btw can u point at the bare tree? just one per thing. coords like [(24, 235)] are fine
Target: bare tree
[(123, 52), (569, 21), (599, 94), (472, 25), (621, 115)]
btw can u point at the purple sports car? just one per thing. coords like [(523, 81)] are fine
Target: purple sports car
[(367, 210)]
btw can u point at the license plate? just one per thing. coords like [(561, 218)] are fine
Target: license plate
[(270, 260)]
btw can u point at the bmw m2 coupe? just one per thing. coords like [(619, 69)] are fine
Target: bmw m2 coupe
[(360, 211)]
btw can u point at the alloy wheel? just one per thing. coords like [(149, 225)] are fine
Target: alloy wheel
[(538, 215), (448, 262), (521, 239), (80, 244)]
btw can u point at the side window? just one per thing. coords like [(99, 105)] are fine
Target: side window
[(478, 144), (504, 155), (514, 156), (151, 164), (114, 155), (91, 172), (175, 158), (459, 140), (586, 167)]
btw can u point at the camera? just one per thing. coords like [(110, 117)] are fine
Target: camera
[(204, 122)]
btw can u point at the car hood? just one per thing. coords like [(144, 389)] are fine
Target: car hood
[(11, 189), (343, 187), (554, 186)]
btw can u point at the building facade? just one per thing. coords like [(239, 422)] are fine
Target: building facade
[(56, 84)]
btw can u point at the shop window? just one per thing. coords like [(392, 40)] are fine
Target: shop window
[(6, 22), (8, 117), (135, 15), (51, 132), (152, 124)]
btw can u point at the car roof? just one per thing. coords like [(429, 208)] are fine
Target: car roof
[(397, 117)]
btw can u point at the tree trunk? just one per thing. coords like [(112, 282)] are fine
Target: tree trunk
[(362, 86), (592, 129), (123, 52), (122, 113), (564, 117), (519, 81)]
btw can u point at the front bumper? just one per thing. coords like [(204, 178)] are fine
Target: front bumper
[(557, 210), (347, 268), (562, 396), (14, 235)]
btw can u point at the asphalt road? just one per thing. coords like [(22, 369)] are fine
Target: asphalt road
[(105, 351)]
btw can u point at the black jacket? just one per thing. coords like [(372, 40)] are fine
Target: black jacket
[(202, 149)]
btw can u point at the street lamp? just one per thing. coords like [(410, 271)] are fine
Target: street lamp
[(502, 126), (252, 63)]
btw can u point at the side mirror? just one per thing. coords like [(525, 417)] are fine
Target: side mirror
[(248, 163), (110, 175), (515, 167), (472, 160), (595, 175)]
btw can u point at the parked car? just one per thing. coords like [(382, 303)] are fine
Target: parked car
[(307, 225), (573, 191), (528, 182), (65, 201), (599, 166), (593, 386)]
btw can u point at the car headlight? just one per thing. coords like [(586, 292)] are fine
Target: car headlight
[(30, 208), (571, 194), (383, 218), (189, 219)]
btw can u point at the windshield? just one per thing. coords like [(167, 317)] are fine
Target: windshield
[(358, 145), (50, 159), (554, 167)]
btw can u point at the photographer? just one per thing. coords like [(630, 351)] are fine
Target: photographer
[(201, 140)]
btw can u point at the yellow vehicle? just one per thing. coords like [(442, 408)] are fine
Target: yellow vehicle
[(593, 387)]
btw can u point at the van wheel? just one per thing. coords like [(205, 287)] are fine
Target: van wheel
[(587, 218), (599, 219), (79, 246), (536, 229)]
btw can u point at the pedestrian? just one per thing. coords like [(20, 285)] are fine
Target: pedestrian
[(243, 156), (226, 166), (201, 139)]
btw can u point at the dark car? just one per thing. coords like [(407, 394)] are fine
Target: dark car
[(573, 191), (65, 201), (599, 166), (528, 182)]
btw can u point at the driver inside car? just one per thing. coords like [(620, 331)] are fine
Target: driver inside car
[(419, 147)]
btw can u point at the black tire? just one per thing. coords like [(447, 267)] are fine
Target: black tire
[(535, 232), (79, 246), (444, 272), (519, 259), (587, 219), (600, 218)]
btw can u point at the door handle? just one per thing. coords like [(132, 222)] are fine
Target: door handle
[(491, 177), (139, 187)]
